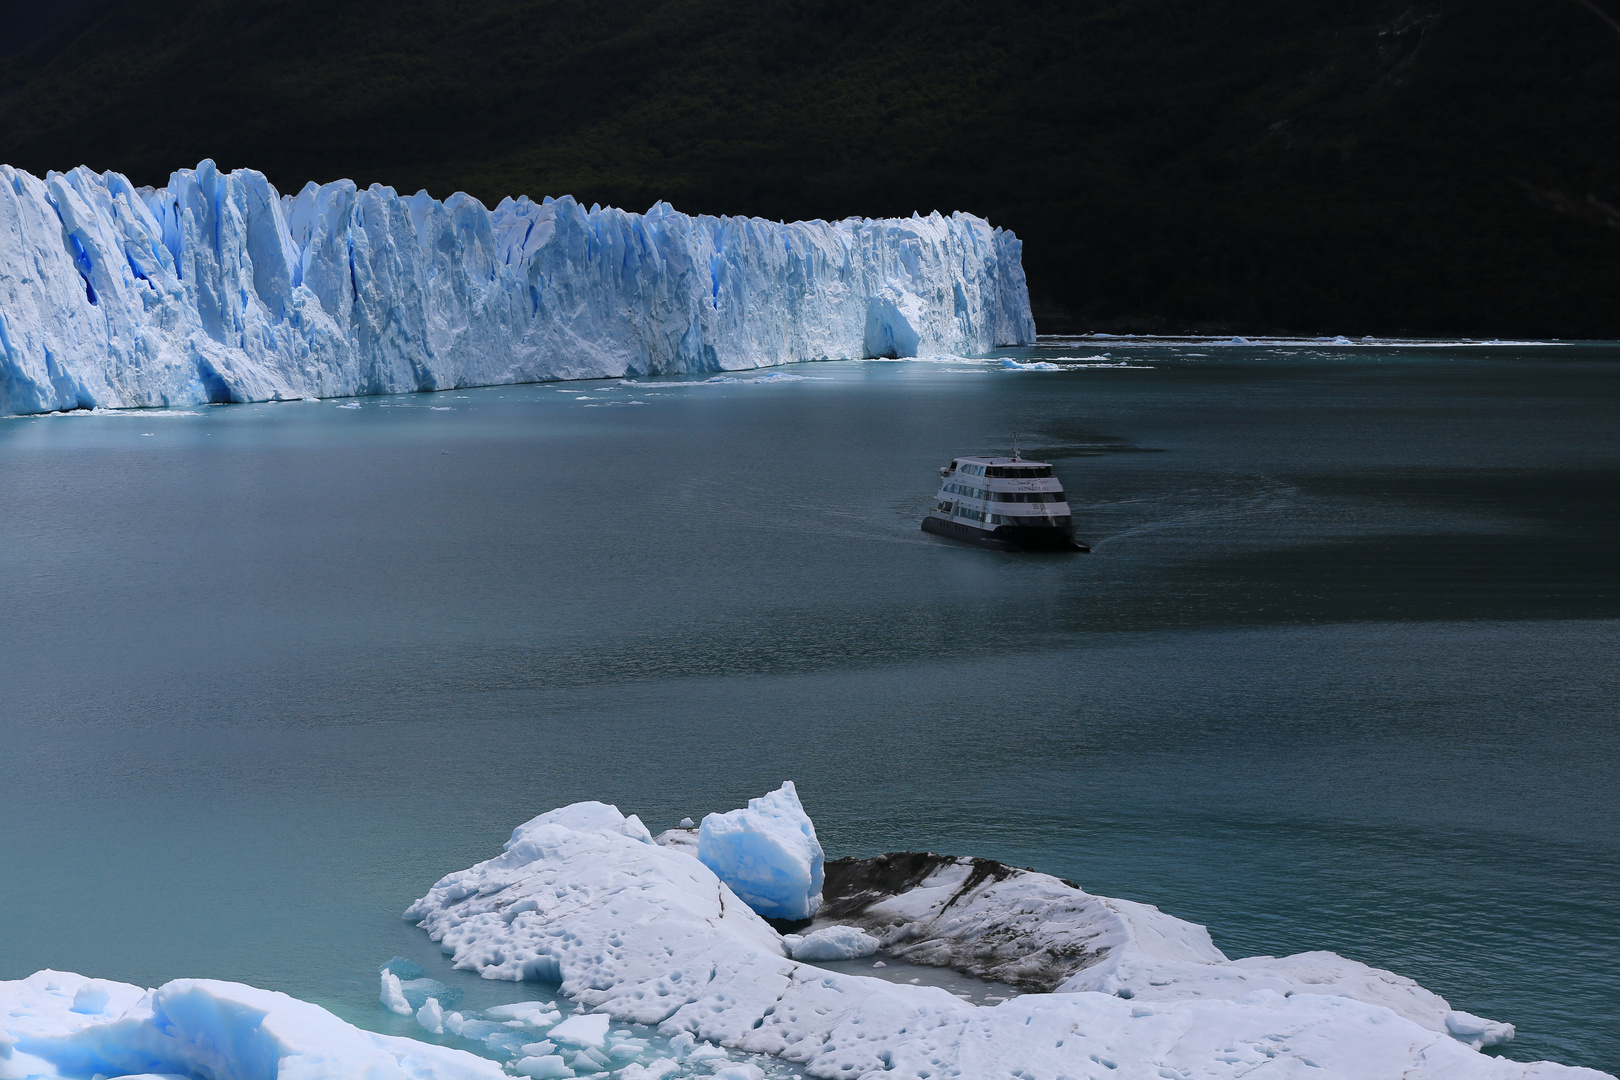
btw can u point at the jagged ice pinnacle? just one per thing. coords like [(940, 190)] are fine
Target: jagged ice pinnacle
[(217, 288)]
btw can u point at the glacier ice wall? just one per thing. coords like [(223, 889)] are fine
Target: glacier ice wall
[(218, 288)]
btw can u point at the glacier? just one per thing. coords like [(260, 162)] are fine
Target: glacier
[(217, 288), (639, 929)]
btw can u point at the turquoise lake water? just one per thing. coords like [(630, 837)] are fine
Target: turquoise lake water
[(1341, 673)]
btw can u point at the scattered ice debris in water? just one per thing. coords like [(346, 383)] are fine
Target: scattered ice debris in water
[(582, 1029), (407, 996), (431, 1016), (732, 380), (350, 405), (442, 408), (1034, 365), (831, 943), (768, 853), (533, 1013), (137, 414), (403, 968)]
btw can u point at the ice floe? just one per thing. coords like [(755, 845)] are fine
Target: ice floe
[(645, 932), (56, 1024), (641, 931), (216, 287)]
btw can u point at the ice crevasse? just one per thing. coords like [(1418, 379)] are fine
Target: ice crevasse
[(216, 288)]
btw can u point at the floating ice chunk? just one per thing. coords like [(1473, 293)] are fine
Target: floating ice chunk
[(768, 853), (392, 997), (1033, 365), (740, 1071), (705, 1052), (539, 1049), (688, 823), (1477, 1031), (533, 1013), (202, 1028), (543, 1067), (652, 1070), (431, 1016), (417, 991), (590, 1059), (582, 1029), (831, 943)]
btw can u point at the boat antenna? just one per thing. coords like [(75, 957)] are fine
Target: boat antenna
[(1015, 446)]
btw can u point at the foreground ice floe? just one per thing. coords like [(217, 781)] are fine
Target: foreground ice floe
[(641, 930), (217, 287), (645, 932), (54, 1024)]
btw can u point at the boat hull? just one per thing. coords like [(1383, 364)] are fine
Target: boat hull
[(1005, 537)]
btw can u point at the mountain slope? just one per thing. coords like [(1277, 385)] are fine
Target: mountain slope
[(1356, 166)]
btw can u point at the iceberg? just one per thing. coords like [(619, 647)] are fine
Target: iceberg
[(218, 288), (768, 853), (200, 1028), (646, 933)]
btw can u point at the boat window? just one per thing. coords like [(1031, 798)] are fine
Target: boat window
[(964, 489), (1028, 496), (1061, 521), (1020, 472)]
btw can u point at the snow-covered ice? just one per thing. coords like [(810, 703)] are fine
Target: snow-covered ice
[(55, 1024), (216, 287), (768, 853), (831, 943), (647, 933)]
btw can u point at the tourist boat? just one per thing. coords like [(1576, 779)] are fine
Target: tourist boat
[(1004, 503)]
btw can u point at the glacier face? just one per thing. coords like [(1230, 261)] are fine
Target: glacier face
[(218, 288)]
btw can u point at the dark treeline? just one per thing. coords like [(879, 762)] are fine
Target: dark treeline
[(1355, 166)]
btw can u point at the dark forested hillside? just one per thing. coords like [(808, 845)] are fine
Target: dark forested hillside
[(1358, 166)]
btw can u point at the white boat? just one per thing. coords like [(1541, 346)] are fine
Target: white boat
[(1004, 503)]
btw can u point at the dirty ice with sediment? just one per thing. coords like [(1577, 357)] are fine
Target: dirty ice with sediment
[(655, 931)]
